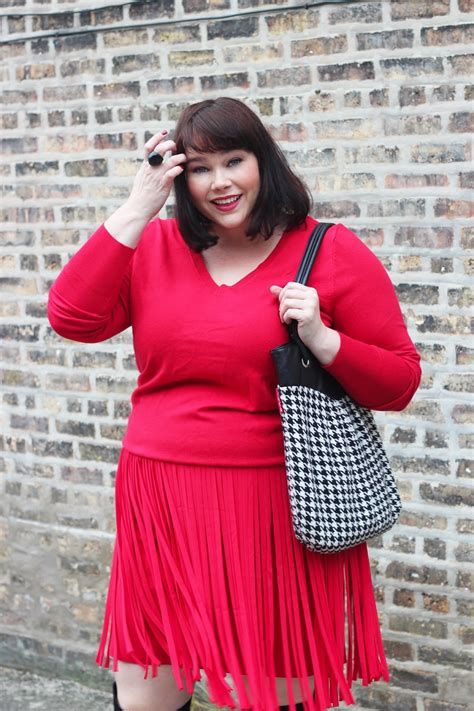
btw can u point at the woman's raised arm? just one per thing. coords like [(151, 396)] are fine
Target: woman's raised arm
[(90, 299)]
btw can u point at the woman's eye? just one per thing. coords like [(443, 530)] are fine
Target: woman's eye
[(235, 161), (198, 169)]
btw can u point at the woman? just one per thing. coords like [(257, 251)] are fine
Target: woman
[(207, 573)]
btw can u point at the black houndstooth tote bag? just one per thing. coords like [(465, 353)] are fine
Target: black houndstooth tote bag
[(340, 485)]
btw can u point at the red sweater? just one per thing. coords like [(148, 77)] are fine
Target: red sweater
[(206, 387)]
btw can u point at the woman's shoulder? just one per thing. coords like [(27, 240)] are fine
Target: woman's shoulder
[(336, 232), (343, 258), (336, 236), (160, 235), (166, 227), (345, 244)]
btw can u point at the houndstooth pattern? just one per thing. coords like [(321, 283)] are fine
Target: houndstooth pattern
[(340, 485)]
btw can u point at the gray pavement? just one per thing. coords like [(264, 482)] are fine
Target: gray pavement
[(24, 691)]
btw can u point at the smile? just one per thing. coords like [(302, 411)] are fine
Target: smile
[(227, 203)]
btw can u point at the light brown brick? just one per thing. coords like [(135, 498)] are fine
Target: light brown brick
[(294, 21), (288, 132), (461, 64), (348, 128), (35, 71), (319, 45), (451, 209), (130, 89), (461, 122), (177, 85), (412, 67), (407, 9), (67, 143), (366, 12), (390, 39), (292, 76), (353, 71), (412, 125), (19, 286), (123, 38), (135, 62), (64, 93), (440, 153), (176, 34), (193, 58), (202, 5), (416, 181), (446, 35), (252, 53)]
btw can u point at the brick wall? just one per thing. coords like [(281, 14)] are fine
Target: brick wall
[(370, 101)]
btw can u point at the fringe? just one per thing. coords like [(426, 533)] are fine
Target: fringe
[(208, 575)]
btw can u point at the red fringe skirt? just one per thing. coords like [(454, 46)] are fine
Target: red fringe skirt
[(208, 575)]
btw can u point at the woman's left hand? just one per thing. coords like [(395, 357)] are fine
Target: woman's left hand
[(301, 303)]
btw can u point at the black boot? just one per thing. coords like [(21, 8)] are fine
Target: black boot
[(117, 707)]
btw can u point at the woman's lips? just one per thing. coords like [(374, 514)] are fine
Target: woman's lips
[(228, 204)]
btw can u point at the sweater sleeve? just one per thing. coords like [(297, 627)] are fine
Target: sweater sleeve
[(377, 363), (90, 299)]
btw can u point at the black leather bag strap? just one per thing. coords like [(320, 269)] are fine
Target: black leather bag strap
[(307, 262), (312, 247)]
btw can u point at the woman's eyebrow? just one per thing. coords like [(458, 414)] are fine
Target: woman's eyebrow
[(196, 158), (202, 158)]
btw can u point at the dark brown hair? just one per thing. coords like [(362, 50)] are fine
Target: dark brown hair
[(226, 124)]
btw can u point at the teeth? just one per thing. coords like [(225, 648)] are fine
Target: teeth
[(226, 201)]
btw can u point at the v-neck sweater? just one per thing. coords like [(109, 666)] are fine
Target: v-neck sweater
[(206, 388)]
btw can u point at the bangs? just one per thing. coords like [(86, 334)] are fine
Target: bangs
[(214, 128)]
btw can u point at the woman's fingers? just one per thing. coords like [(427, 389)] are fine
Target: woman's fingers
[(306, 297), (155, 139), (159, 143), (172, 173), (293, 290), (302, 307), (293, 315), (174, 160), (152, 184), (295, 303), (300, 303)]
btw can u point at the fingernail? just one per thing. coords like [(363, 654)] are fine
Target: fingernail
[(164, 131)]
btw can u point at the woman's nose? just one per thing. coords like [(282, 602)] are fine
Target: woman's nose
[(220, 179)]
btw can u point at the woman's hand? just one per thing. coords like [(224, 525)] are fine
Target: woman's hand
[(150, 191), (152, 185), (301, 303)]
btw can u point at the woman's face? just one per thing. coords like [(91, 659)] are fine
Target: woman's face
[(224, 187)]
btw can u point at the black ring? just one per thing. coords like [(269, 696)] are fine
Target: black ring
[(155, 158)]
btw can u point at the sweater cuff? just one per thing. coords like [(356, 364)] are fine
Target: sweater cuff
[(373, 377)]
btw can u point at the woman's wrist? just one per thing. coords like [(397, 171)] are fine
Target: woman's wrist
[(126, 225), (326, 345)]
